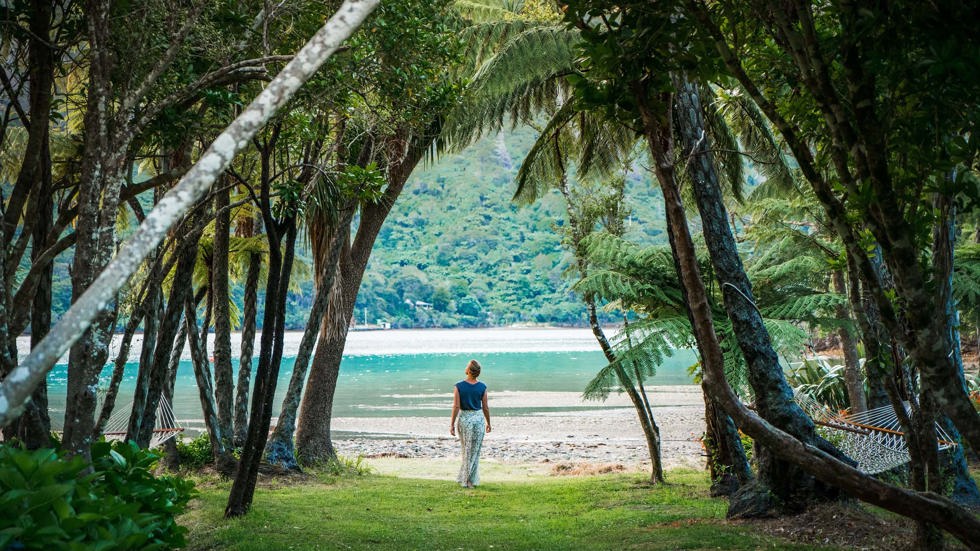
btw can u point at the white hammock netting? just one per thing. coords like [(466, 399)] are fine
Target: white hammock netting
[(873, 438), (166, 425)]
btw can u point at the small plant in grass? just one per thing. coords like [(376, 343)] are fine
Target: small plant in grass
[(49, 500), (344, 466)]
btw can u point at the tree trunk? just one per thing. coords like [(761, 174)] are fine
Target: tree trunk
[(248, 342), (267, 370), (650, 430), (103, 174), (119, 366), (223, 460), (858, 139), (964, 488), (877, 361), (35, 169), (171, 459), (852, 365), (313, 429), (35, 426), (223, 377), (313, 442), (728, 466), (279, 450), (790, 488)]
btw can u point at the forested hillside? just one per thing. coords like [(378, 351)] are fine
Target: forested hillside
[(457, 242)]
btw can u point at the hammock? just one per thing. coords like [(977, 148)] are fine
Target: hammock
[(873, 438), (166, 424)]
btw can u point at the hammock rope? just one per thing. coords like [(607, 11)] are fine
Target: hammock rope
[(873, 438), (167, 426)]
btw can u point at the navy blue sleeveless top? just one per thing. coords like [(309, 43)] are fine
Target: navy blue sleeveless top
[(471, 395)]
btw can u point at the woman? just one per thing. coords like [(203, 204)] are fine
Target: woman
[(469, 398)]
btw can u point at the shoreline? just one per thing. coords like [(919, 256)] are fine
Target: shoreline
[(608, 435)]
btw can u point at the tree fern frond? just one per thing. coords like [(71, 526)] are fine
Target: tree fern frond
[(791, 268), (482, 11), (811, 307), (600, 385), (483, 39)]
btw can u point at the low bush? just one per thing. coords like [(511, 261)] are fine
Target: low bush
[(195, 454), (50, 500)]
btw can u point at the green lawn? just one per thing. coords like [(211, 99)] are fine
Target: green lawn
[(386, 512)]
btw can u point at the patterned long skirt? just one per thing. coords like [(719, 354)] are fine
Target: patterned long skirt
[(471, 427)]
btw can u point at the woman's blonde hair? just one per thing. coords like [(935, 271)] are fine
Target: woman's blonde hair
[(474, 368)]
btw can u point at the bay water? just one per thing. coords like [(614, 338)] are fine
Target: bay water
[(412, 372)]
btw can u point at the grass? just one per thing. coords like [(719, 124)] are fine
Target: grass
[(376, 511)]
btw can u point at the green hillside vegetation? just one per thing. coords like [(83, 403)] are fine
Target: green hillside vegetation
[(457, 242)]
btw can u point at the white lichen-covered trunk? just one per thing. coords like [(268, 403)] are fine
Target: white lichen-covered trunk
[(18, 385)]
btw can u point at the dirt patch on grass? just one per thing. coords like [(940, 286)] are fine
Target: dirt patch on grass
[(586, 469), (843, 525)]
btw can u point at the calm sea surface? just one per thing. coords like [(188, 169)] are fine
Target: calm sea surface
[(412, 372)]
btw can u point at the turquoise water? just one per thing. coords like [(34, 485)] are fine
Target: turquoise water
[(411, 384)]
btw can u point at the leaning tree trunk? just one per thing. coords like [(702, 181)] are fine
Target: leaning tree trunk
[(171, 459), (119, 366), (152, 376), (785, 487), (313, 429), (313, 441), (223, 377), (280, 450)]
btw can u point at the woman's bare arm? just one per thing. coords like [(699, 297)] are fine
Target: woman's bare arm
[(452, 422), (486, 410)]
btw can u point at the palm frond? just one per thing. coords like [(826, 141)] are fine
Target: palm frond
[(544, 165), (725, 148), (518, 81), (755, 133)]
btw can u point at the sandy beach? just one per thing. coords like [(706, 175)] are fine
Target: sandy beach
[(606, 432)]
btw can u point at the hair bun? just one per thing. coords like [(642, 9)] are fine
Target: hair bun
[(474, 367)]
